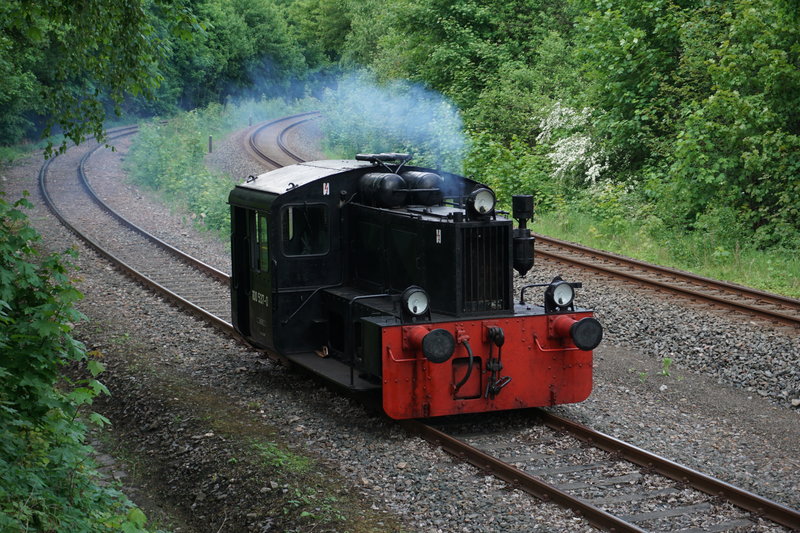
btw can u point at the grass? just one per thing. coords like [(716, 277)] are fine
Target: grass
[(10, 154), (169, 158), (277, 457), (775, 271)]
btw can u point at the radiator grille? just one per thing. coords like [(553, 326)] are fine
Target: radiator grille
[(485, 276)]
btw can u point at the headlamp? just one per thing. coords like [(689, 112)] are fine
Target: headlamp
[(559, 295), (563, 294), (415, 301), (481, 202)]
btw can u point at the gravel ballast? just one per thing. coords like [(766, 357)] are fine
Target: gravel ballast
[(689, 416)]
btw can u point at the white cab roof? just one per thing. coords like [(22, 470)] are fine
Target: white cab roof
[(287, 178)]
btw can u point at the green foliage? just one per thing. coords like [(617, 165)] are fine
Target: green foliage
[(729, 155), (9, 154), (282, 459), (517, 169), (461, 48), (48, 482), (248, 43), (169, 157), (702, 102), (320, 27), (666, 363), (66, 64), (610, 203), (740, 146), (310, 507), (515, 105), (63, 60), (627, 53)]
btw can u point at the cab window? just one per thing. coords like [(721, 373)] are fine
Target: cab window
[(262, 242), (306, 230)]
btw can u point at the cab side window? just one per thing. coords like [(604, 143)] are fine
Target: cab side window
[(262, 242), (305, 230)]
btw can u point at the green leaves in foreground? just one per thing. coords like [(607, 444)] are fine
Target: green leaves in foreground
[(48, 481)]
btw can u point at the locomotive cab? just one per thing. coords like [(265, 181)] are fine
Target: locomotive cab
[(376, 274)]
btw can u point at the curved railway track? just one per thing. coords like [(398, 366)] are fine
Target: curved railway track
[(173, 274), (275, 131), (203, 290), (663, 508)]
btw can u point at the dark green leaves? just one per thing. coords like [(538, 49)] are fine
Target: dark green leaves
[(70, 61), (47, 483)]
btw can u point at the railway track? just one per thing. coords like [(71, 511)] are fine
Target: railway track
[(664, 507), (614, 485), (728, 295), (175, 275), (204, 291), (274, 134)]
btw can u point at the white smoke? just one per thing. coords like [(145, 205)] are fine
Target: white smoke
[(362, 115)]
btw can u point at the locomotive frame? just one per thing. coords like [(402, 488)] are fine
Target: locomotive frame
[(378, 275)]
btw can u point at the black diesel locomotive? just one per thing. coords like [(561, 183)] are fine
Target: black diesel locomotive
[(376, 274)]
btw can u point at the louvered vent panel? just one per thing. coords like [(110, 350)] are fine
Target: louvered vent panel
[(486, 266)]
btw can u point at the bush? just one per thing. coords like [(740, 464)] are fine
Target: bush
[(169, 156), (49, 483), (514, 169)]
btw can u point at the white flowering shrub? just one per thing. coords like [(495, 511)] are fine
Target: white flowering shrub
[(573, 154), (560, 117)]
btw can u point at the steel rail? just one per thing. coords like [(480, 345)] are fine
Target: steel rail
[(260, 153), (282, 137), (125, 267), (758, 505), (519, 478), (754, 503), (733, 287), (695, 294), (183, 256)]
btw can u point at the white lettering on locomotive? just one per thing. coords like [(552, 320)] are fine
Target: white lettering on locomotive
[(261, 299)]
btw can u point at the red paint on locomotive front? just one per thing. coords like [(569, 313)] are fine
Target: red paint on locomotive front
[(546, 369)]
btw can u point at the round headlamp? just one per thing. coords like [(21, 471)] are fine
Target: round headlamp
[(481, 202), (563, 294), (559, 295), (415, 301)]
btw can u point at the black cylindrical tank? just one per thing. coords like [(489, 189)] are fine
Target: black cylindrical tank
[(424, 180), (523, 250), (383, 189), (522, 208)]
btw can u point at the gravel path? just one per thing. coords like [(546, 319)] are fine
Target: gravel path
[(688, 416)]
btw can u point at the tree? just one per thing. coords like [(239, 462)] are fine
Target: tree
[(739, 145), (321, 27), (64, 60), (461, 48), (247, 47)]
